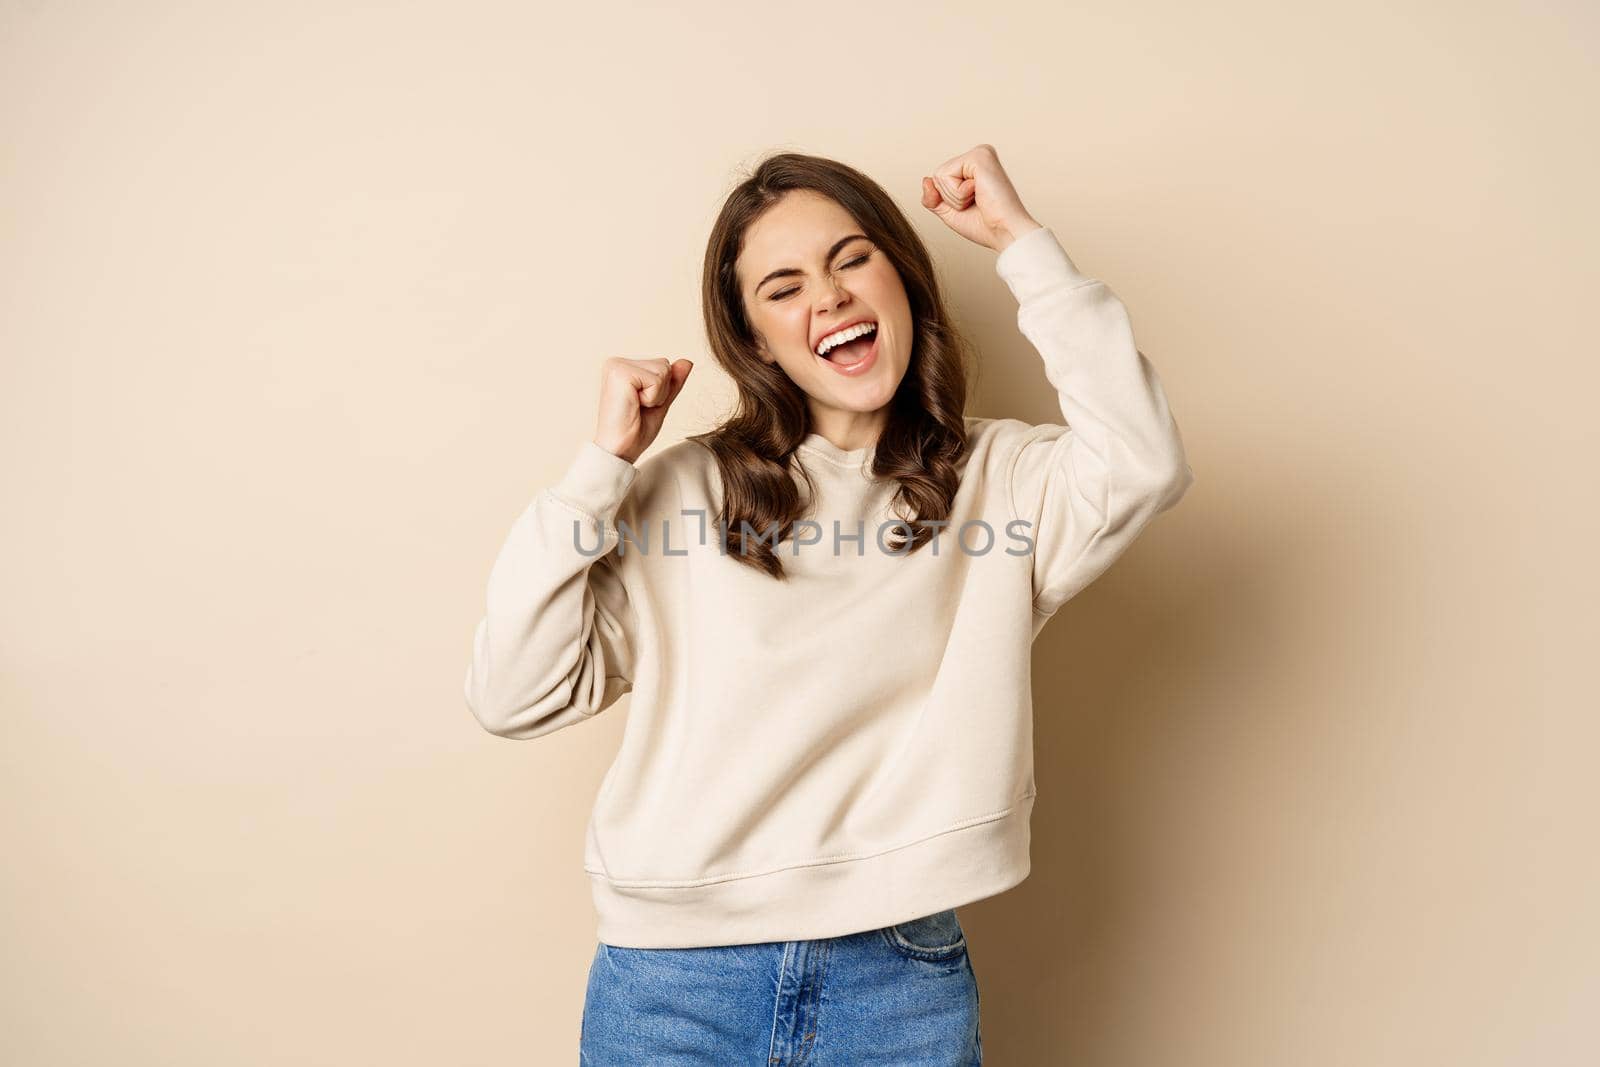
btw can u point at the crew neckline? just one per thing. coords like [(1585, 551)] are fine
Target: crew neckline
[(820, 445)]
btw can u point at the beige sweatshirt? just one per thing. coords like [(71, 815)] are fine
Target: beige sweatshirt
[(852, 747)]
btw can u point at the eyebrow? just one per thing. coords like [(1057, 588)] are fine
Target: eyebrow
[(784, 272)]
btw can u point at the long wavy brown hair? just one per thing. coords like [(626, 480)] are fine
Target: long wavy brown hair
[(754, 447)]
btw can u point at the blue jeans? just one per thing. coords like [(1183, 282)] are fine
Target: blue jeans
[(903, 995)]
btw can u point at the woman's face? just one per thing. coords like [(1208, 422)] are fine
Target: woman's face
[(802, 276)]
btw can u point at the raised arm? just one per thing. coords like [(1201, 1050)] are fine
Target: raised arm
[(1092, 486), (556, 643)]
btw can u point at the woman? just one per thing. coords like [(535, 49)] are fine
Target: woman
[(823, 609)]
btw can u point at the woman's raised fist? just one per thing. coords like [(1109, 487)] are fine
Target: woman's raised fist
[(634, 397)]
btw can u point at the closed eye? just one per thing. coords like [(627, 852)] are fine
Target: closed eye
[(785, 293)]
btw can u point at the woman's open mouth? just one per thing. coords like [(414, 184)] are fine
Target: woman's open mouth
[(854, 358)]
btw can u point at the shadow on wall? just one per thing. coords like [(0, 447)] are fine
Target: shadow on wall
[(1168, 750)]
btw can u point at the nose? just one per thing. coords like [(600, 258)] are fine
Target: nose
[(831, 294)]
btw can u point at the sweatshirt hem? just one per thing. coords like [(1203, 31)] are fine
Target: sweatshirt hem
[(822, 899)]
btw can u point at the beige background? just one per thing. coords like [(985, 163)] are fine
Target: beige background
[(300, 303)]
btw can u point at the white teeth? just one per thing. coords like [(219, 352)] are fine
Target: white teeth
[(850, 333)]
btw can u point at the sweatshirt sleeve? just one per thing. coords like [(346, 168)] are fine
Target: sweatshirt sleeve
[(556, 642), (1090, 487)]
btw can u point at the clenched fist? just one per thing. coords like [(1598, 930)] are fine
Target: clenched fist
[(973, 195), (634, 397)]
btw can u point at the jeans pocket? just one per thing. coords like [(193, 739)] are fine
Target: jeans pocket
[(935, 938)]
